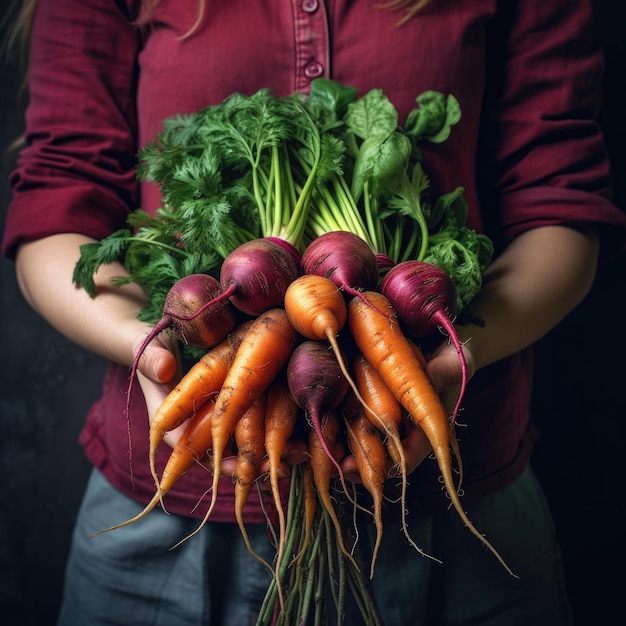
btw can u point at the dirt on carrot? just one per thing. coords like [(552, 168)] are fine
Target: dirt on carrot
[(281, 414), (323, 470), (200, 383), (366, 444), (263, 352), (384, 345)]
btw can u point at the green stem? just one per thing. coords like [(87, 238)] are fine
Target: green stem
[(288, 186), (294, 228), (407, 236), (309, 585), (323, 220), (159, 244), (372, 220), (272, 188), (339, 594), (346, 202), (321, 612), (334, 209), (423, 235), (295, 508)]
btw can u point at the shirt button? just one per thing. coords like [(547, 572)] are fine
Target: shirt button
[(313, 69), (310, 6)]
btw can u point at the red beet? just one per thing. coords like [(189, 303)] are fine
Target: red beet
[(424, 297), (344, 258), (255, 276)]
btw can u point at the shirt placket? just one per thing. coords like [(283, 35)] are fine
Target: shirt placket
[(311, 42)]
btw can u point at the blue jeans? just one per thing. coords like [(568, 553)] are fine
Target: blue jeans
[(470, 586), (129, 577)]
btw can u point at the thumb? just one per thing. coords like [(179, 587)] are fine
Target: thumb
[(159, 362), (445, 368)]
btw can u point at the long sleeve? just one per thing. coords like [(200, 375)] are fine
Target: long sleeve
[(546, 162), (76, 173)]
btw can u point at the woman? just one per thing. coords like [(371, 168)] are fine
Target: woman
[(531, 159)]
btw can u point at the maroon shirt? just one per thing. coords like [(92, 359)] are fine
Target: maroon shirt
[(527, 151)]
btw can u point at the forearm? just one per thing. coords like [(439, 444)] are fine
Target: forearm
[(107, 324), (540, 278)]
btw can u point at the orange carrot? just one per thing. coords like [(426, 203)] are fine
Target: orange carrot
[(203, 379), (250, 441), (454, 444), (281, 413), (323, 470), (317, 309), (388, 416), (383, 344), (263, 352), (384, 404), (310, 508), (364, 440), (191, 448), (249, 438), (418, 353)]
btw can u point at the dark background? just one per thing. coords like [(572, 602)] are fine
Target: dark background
[(47, 385)]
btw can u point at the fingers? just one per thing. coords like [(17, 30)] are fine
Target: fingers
[(444, 366), (171, 437), (295, 453), (154, 392), (229, 463), (416, 446), (350, 470)]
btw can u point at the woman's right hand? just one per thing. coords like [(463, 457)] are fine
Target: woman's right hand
[(158, 372)]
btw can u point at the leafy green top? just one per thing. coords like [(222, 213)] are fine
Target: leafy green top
[(261, 165)]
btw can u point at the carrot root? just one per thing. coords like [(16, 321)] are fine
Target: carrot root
[(384, 345), (264, 350)]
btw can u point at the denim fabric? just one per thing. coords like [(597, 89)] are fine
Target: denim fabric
[(129, 577), (469, 586)]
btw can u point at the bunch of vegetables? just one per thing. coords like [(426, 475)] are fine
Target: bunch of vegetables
[(299, 259)]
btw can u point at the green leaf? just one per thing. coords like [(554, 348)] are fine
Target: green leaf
[(451, 256), (372, 115), (93, 255), (434, 117), (328, 101), (450, 211), (465, 255), (391, 158), (373, 119)]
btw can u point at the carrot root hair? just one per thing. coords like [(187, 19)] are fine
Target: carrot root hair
[(263, 352), (384, 345)]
